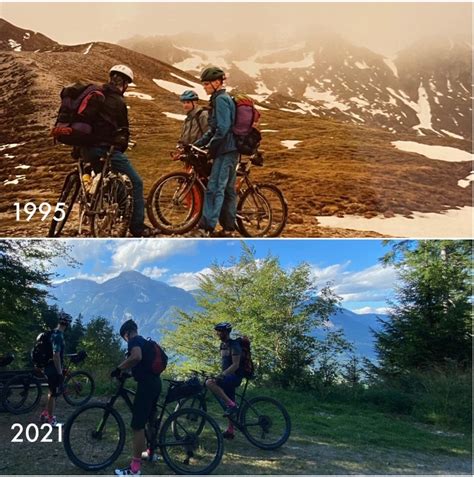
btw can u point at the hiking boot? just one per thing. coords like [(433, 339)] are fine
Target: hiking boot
[(228, 435), (223, 233), (200, 233), (126, 471), (145, 232)]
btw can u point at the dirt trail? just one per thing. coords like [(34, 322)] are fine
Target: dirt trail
[(302, 454)]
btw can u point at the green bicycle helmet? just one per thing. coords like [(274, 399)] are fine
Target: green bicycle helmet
[(212, 73)]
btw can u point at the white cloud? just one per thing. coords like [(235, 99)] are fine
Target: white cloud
[(154, 272), (131, 254), (374, 283), (382, 310), (87, 276), (188, 280)]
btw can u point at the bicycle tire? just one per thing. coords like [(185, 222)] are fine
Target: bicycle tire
[(67, 395), (116, 208), (192, 402), (68, 195), (189, 442), (188, 200), (259, 211), (107, 412), (264, 421), (278, 205), (30, 385)]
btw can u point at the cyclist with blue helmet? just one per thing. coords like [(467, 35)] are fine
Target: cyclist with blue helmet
[(195, 124)]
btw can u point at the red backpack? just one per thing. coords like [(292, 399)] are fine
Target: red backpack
[(246, 364), (160, 358)]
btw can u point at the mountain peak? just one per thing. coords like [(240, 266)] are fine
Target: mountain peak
[(13, 38)]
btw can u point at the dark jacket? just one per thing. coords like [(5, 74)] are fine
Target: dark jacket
[(195, 125), (219, 137), (111, 126)]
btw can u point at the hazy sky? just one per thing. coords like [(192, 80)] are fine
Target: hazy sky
[(383, 27)]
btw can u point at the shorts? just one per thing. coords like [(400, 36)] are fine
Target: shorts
[(54, 382), (144, 404), (229, 384)]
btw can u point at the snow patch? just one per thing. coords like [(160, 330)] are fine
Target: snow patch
[(362, 65), (26, 36), (452, 223), (16, 181), (327, 97), (359, 101), (439, 153), (178, 88), (15, 46), (22, 166), (466, 181), (392, 66), (456, 136), (298, 111), (136, 94), (179, 117), (269, 130), (290, 144), (252, 68), (86, 51), (202, 58), (11, 146)]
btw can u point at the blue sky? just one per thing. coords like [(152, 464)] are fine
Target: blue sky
[(352, 265)]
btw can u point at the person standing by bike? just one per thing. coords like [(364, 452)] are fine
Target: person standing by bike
[(224, 385), (139, 360), (220, 201), (111, 128), (54, 369), (196, 122)]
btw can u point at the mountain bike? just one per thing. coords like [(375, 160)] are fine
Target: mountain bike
[(103, 201), (175, 201), (263, 420), (189, 440), (22, 392)]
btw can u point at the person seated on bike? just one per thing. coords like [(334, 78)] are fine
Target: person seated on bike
[(111, 128), (139, 360), (220, 201), (224, 385), (54, 369), (196, 122)]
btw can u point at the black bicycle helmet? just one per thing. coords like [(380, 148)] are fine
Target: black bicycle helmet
[(224, 326), (212, 73), (64, 318), (129, 325)]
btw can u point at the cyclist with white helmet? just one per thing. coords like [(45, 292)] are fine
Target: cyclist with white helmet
[(195, 124), (111, 128)]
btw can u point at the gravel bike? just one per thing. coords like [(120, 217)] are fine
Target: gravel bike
[(189, 440), (263, 420), (101, 200), (22, 392), (175, 201)]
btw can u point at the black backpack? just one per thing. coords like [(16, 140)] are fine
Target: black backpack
[(42, 352), (73, 124)]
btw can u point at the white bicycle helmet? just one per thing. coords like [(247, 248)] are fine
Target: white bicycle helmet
[(122, 69)]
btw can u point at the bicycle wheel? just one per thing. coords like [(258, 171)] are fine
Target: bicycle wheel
[(278, 206), (174, 204), (94, 436), (198, 449), (254, 215), (21, 394), (265, 422), (112, 216), (68, 196), (192, 402), (78, 388)]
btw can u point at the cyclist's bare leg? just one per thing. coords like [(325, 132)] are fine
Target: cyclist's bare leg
[(51, 403), (212, 385), (139, 443)]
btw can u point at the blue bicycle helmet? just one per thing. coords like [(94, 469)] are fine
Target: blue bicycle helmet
[(189, 95)]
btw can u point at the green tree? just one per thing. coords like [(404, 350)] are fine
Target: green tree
[(75, 335), (278, 309), (102, 345), (431, 318), (26, 271)]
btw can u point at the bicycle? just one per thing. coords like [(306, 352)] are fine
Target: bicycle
[(175, 201), (104, 202), (22, 392), (259, 418), (94, 435)]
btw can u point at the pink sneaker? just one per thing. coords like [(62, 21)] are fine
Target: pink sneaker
[(44, 416)]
